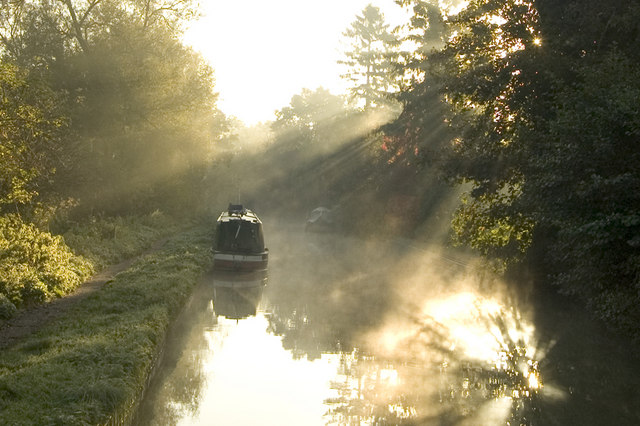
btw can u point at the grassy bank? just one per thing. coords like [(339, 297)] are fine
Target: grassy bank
[(94, 362), (108, 240), (37, 266)]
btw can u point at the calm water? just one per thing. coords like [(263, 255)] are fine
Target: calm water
[(348, 332)]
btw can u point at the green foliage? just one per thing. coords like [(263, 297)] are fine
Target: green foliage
[(147, 122), (481, 224), (310, 121), (93, 363), (416, 137), (30, 142), (542, 103), (36, 266), (140, 106), (583, 180), (7, 309)]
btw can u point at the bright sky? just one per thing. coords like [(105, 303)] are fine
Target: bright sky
[(265, 51)]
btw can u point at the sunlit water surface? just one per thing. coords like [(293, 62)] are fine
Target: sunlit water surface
[(354, 333)]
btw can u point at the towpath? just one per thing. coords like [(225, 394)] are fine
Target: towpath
[(30, 320)]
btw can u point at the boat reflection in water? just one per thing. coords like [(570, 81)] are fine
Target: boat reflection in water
[(236, 295)]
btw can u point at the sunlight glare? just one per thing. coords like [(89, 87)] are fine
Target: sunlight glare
[(263, 53), (243, 362)]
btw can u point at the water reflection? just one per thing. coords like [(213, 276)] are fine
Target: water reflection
[(436, 375), (176, 390), (237, 295), (373, 337)]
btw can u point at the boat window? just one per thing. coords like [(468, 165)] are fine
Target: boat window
[(240, 236)]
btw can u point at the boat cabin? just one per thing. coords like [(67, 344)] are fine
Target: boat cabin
[(239, 241)]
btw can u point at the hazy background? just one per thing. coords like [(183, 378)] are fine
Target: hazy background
[(265, 52)]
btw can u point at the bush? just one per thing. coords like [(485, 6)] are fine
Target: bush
[(36, 266), (7, 309)]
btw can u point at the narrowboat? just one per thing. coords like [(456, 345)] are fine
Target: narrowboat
[(239, 241)]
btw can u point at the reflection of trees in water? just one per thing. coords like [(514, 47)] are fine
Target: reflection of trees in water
[(298, 336), (176, 388), (327, 296), (333, 296), (431, 380), (367, 392), (327, 316)]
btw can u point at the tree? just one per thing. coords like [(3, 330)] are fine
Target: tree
[(141, 105), (415, 136), (541, 97), (31, 128), (145, 117), (582, 184), (309, 117), (370, 60), (80, 22), (492, 75)]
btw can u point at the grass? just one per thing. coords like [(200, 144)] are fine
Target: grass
[(105, 241), (91, 366)]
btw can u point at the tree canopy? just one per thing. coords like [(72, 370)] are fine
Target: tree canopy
[(541, 126), (139, 106)]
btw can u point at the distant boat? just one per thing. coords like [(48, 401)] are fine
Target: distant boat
[(239, 241), (320, 219)]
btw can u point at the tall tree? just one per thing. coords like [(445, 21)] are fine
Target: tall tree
[(370, 60), (493, 77), (144, 115), (81, 21), (309, 117), (420, 129)]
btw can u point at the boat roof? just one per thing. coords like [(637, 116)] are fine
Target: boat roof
[(238, 212)]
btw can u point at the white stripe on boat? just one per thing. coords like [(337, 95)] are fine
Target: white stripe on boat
[(237, 257)]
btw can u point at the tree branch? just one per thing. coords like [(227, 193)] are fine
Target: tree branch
[(77, 27)]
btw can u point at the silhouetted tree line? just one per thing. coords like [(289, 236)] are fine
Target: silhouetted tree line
[(540, 102)]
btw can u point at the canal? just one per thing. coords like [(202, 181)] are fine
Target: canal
[(349, 332)]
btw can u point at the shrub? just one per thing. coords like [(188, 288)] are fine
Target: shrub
[(36, 266), (7, 309)]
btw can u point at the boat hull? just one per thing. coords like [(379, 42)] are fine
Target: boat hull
[(240, 262)]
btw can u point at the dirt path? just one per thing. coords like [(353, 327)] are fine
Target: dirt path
[(31, 320)]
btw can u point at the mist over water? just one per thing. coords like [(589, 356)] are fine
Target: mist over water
[(347, 331), (374, 319), (363, 322)]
